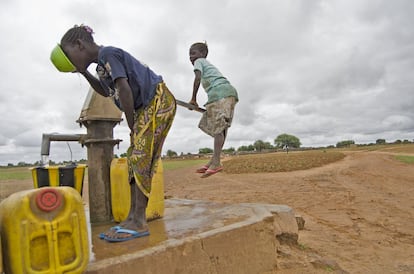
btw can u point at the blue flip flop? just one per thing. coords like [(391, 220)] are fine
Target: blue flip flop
[(114, 228), (134, 234)]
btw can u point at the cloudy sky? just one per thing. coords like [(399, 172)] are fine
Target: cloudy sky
[(324, 71)]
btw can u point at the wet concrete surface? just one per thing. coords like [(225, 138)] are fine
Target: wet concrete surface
[(183, 218), (198, 237)]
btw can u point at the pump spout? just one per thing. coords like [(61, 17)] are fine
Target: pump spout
[(49, 137)]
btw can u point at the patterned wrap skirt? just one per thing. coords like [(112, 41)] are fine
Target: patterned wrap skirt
[(151, 126)]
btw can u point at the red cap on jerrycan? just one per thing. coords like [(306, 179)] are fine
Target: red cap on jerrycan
[(48, 199)]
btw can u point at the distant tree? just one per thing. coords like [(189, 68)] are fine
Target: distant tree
[(268, 145), (37, 163), (229, 150), (171, 153), (346, 143), (10, 164), (246, 148), (398, 142), (123, 155), (205, 150), (286, 140), (380, 141), (259, 145)]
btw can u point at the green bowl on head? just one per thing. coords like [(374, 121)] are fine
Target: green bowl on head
[(61, 61)]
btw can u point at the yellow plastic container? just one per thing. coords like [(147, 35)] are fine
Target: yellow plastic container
[(70, 175), (121, 192), (44, 231)]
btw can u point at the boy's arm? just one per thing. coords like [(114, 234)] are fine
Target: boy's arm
[(95, 83), (126, 100), (196, 85)]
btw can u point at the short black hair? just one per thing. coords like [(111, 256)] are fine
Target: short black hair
[(202, 47)]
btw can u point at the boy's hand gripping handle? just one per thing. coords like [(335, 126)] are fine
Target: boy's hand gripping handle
[(190, 106)]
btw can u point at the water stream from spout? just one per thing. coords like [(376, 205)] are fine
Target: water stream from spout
[(45, 160)]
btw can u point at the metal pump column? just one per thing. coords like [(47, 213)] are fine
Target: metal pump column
[(99, 115)]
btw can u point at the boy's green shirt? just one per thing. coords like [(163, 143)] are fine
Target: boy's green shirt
[(213, 82)]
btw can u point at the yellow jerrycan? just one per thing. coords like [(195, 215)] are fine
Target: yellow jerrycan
[(70, 175), (44, 231), (121, 193)]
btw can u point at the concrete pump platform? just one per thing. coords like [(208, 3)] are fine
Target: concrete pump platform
[(200, 237)]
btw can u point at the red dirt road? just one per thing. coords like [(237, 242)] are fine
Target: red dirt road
[(359, 211)]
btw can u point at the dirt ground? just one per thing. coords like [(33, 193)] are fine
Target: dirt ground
[(359, 211)]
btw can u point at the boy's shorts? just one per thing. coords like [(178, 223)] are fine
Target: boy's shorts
[(218, 116)]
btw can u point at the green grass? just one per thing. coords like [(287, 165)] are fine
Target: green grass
[(405, 159), (174, 164), (24, 173), (15, 173)]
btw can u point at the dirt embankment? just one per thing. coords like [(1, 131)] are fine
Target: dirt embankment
[(359, 211)]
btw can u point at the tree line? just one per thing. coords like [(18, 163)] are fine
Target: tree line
[(282, 141)]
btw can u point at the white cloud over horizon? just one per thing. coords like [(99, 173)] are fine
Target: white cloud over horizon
[(324, 71)]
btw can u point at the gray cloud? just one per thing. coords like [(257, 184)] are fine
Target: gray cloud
[(324, 71)]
